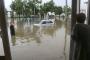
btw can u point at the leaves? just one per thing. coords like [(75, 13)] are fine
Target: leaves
[(58, 10), (67, 9), (25, 7), (31, 7)]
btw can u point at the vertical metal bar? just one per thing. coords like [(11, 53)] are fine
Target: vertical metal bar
[(88, 14), (78, 6), (74, 12), (66, 12), (86, 3), (4, 31), (73, 22)]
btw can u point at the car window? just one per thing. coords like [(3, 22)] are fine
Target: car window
[(50, 22), (44, 22)]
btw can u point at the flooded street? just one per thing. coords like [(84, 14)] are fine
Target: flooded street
[(39, 43)]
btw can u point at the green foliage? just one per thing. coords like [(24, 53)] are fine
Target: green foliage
[(17, 6), (12, 6), (25, 7), (33, 7), (58, 10), (48, 7), (67, 9)]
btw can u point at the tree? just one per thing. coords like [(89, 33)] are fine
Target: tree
[(33, 7), (58, 10), (47, 7), (28, 6), (68, 9), (12, 6), (25, 7), (36, 7), (17, 6)]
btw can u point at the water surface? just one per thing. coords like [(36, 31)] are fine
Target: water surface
[(39, 43)]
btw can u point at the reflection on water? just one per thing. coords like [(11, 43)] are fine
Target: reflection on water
[(13, 38), (39, 43)]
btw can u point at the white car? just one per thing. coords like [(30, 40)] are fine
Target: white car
[(45, 23)]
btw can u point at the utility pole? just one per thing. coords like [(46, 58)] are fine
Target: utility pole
[(4, 32)]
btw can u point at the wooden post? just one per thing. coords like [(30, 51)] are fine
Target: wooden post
[(4, 31), (88, 14), (73, 22)]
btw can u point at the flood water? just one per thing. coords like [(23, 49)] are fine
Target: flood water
[(39, 43)]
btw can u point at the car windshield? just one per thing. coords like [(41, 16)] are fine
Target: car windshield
[(44, 22), (50, 22)]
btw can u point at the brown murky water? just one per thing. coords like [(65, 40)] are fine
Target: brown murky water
[(39, 43)]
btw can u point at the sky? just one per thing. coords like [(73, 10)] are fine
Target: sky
[(57, 2)]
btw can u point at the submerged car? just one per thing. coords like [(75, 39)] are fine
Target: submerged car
[(45, 23)]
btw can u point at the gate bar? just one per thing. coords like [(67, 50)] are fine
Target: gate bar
[(4, 32)]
